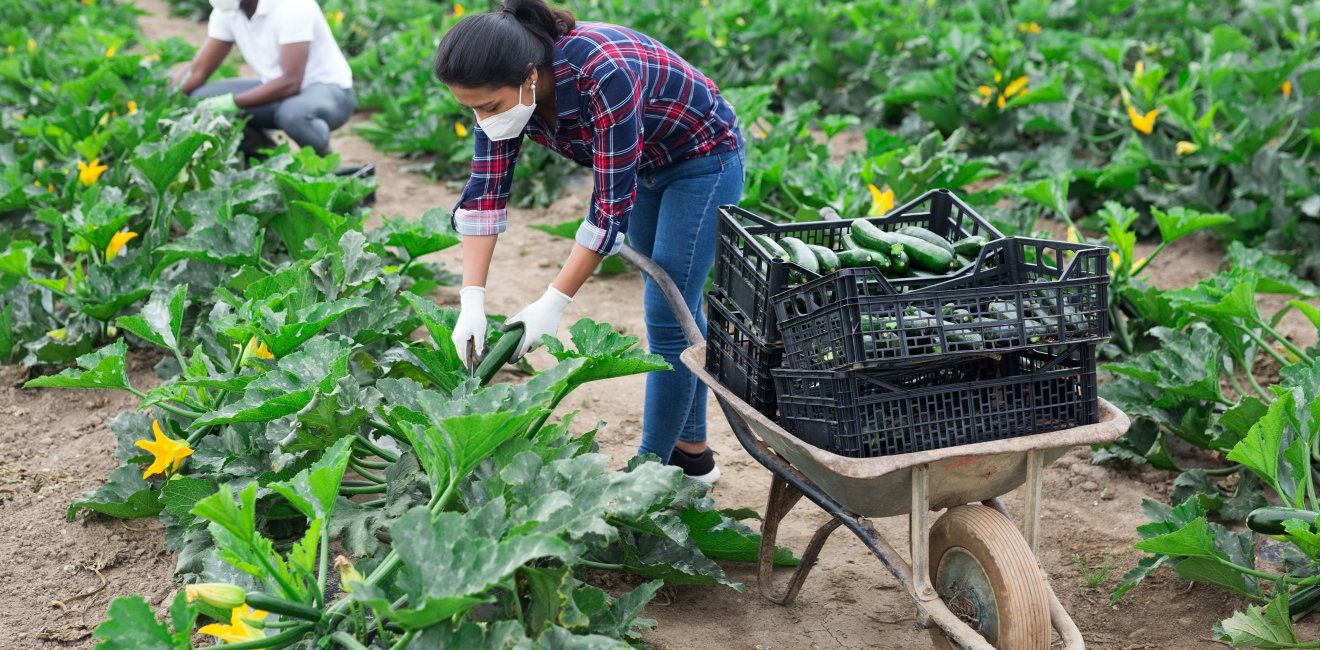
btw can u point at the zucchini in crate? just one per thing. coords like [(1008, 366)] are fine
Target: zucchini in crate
[(799, 254), (970, 246), (923, 254), (825, 258), (772, 247), (927, 236)]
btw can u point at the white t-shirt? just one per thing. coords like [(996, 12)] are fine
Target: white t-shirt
[(280, 22)]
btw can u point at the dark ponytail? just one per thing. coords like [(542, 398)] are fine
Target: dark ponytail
[(500, 48)]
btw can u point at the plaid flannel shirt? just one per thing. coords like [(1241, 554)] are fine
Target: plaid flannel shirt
[(626, 104)]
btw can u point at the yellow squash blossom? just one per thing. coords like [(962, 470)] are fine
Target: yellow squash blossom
[(117, 243), (58, 334), (89, 173), (110, 51), (1072, 235), (1145, 124), (1138, 70), (132, 107), (986, 93), (51, 187), (10, 49), (39, 165), (1286, 88), (1001, 102), (460, 130), (32, 45), (239, 629), (169, 452), (349, 576), (216, 594), (882, 201), (459, 10), (1185, 148), (1016, 86), (998, 77), (1029, 28)]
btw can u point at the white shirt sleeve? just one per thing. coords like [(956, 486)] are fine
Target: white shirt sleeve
[(296, 21), (217, 26)]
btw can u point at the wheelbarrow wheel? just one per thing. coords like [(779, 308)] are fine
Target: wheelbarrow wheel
[(987, 576)]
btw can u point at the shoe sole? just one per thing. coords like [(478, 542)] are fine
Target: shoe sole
[(709, 478)]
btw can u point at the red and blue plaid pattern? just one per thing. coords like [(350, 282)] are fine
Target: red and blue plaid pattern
[(626, 104)]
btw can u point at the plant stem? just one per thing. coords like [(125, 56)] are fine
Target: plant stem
[(403, 641), (1237, 385), (322, 570), (604, 566), (364, 472), (1150, 258), (1283, 340), (370, 464), (362, 489), (376, 450), (1264, 394), (1266, 347), (271, 641), (346, 640), (1220, 471)]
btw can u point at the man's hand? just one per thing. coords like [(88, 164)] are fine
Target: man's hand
[(220, 104)]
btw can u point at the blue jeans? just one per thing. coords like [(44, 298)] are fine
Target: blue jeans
[(673, 223)]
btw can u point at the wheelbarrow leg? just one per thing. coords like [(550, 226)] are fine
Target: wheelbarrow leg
[(782, 499)]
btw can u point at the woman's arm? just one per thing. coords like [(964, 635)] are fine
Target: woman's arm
[(477, 252), (208, 58), (582, 262)]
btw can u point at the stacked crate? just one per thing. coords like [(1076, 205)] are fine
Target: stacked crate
[(865, 365)]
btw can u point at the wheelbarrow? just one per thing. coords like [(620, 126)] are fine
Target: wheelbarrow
[(974, 576)]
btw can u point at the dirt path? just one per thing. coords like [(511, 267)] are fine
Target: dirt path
[(56, 444)]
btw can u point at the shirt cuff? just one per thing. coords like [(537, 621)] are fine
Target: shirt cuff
[(480, 222), (603, 241)]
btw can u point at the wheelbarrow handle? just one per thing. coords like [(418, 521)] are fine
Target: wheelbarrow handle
[(667, 287)]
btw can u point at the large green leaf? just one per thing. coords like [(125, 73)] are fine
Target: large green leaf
[(234, 528), (1275, 276), (103, 368), (607, 353), (453, 561), (284, 332), (1200, 569), (162, 167), (288, 387), (235, 242), (131, 624), (428, 234), (124, 495), (1186, 364), (161, 321), (181, 493), (1269, 628), (1261, 450), (313, 491), (1179, 222), (1192, 540)]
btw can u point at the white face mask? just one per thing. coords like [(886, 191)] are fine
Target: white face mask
[(510, 123), (224, 5)]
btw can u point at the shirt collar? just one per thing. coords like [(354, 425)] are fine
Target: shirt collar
[(264, 7)]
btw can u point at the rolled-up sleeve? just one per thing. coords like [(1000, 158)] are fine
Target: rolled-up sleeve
[(616, 105), (483, 208)]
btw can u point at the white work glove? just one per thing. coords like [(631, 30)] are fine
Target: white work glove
[(538, 319), (471, 322)]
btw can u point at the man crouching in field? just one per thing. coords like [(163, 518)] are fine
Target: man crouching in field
[(305, 87)]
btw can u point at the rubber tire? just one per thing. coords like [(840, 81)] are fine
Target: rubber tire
[(1018, 586)]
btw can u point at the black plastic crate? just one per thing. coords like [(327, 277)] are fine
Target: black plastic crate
[(738, 358), (1021, 293), (866, 413), (750, 277)]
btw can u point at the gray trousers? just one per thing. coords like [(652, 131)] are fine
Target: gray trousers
[(307, 118)]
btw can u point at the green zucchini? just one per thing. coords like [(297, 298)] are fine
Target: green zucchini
[(1269, 520), (285, 608), (799, 254), (869, 235), (499, 354), (970, 246), (772, 247), (825, 258), (927, 236), (847, 241), (853, 258), (924, 255), (899, 259), (1304, 601)]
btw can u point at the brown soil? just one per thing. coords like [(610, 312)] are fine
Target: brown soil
[(849, 601)]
